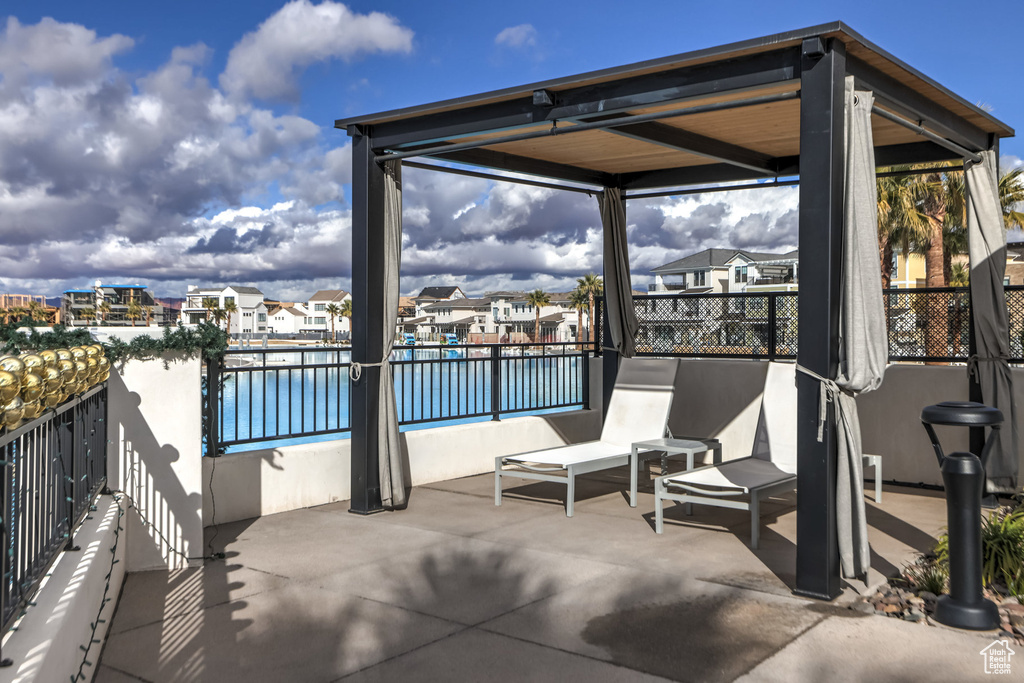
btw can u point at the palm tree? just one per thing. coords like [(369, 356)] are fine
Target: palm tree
[(88, 313), (591, 285), (229, 308), (538, 298), (104, 308), (346, 312), (332, 309), (579, 300), (35, 311), (134, 311), (900, 223), (15, 314)]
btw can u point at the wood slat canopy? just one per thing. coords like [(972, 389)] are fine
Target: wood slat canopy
[(742, 141)]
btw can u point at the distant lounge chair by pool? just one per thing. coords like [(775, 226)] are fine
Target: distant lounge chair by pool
[(637, 411)]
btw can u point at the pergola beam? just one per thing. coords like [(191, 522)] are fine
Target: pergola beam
[(694, 143), (912, 105), (667, 87), (538, 167)]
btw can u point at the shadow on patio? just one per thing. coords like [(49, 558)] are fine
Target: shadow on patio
[(458, 589)]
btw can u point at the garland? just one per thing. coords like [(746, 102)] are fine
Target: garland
[(205, 340)]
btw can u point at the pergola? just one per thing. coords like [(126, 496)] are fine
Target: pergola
[(761, 109)]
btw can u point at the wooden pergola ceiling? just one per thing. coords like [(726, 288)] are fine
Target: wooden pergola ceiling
[(747, 140)]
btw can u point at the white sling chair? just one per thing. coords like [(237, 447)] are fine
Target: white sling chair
[(638, 411), (769, 471)]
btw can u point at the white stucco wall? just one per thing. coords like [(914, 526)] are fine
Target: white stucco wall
[(45, 646), (263, 482), (155, 435)]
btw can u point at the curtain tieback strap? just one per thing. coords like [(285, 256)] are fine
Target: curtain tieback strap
[(827, 394), (973, 360), (355, 370)]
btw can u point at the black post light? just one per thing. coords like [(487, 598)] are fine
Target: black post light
[(963, 475)]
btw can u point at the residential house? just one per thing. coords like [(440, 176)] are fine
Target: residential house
[(250, 318), (286, 318), (320, 319), (727, 270), (75, 303)]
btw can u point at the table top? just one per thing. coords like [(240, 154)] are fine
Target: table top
[(679, 445)]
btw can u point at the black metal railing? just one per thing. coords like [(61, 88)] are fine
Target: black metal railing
[(761, 325), (54, 466), (924, 325), (267, 395)]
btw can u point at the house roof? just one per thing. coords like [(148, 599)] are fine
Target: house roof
[(717, 258), (417, 321), (437, 292), (553, 318), (329, 295), (242, 290), (459, 304)]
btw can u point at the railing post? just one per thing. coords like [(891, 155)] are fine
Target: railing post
[(212, 406), (70, 492), (585, 360), (773, 326), (495, 382)]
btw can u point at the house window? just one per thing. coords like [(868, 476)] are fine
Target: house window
[(229, 300), (741, 274), (319, 307), (262, 318), (692, 308), (700, 278), (320, 321)]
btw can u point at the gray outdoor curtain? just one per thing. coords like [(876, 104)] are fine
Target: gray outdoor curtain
[(986, 238), (863, 343), (618, 285), (863, 340), (392, 476)]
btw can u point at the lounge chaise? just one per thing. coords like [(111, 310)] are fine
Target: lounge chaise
[(770, 470), (637, 411)]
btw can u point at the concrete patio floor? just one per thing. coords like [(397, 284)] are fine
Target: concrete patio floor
[(456, 589)]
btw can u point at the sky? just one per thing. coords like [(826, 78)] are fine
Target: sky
[(193, 142)]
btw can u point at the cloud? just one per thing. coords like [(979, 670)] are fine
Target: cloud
[(267, 62), (523, 35), (64, 54)]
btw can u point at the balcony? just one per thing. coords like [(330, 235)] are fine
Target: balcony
[(666, 287), (454, 588)]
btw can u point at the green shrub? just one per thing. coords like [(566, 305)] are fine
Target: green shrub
[(1002, 548), (927, 573)]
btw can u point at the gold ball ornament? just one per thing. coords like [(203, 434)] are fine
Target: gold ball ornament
[(15, 366), (32, 387), (82, 375), (53, 380), (32, 410), (68, 371), (91, 351), (78, 353), (12, 412), (49, 357), (53, 400), (10, 386), (63, 354), (94, 368), (34, 363), (104, 364)]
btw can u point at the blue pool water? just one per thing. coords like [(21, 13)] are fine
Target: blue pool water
[(297, 398)]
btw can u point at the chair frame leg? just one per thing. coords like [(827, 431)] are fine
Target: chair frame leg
[(497, 482), (570, 496), (755, 519)]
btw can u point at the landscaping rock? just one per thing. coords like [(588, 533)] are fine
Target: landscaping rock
[(891, 609), (864, 607), (927, 595), (914, 615)]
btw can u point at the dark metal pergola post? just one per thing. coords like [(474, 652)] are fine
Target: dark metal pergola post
[(367, 321), (821, 234)]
